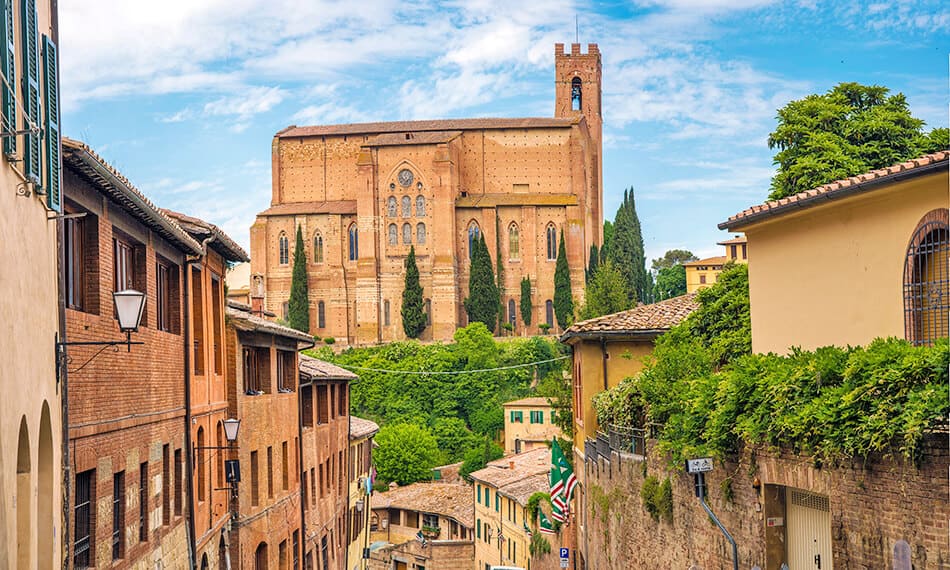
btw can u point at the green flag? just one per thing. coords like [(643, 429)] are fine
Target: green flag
[(546, 526)]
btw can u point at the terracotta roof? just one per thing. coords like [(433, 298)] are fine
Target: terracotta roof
[(499, 473), (431, 125), (315, 368), (411, 138), (245, 321), (718, 260), (522, 490), (866, 182), (328, 207), (201, 230), (651, 319), (536, 401), (479, 200), (360, 428), (450, 499), (734, 241), (108, 180)]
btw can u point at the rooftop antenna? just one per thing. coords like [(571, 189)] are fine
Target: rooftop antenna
[(577, 35)]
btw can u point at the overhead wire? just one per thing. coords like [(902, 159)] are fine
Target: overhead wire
[(449, 372)]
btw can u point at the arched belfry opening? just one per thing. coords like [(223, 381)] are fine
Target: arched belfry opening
[(576, 94)]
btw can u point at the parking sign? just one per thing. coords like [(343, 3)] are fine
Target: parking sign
[(565, 553)]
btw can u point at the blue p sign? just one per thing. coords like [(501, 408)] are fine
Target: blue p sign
[(565, 553)]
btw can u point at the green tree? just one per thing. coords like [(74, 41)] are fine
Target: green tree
[(625, 250), (670, 282), (606, 293), (672, 257), (454, 438), (563, 297), (849, 130), (478, 457), (406, 453), (593, 263), (608, 236), (525, 304), (482, 301), (413, 315), (298, 306)]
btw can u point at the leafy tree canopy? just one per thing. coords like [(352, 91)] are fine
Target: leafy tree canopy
[(606, 293), (849, 130), (672, 257), (670, 282), (478, 457), (406, 453)]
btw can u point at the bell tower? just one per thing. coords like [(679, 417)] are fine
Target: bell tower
[(577, 91)]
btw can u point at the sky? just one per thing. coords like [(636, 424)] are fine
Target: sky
[(184, 96)]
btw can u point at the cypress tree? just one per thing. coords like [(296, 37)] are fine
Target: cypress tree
[(481, 305), (298, 307), (563, 297), (625, 250), (413, 315), (525, 304), (594, 262)]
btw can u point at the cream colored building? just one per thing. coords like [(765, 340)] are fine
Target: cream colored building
[(238, 279), (852, 260), (501, 493), (705, 272), (361, 463), (528, 424), (31, 433)]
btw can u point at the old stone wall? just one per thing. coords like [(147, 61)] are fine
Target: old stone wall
[(873, 504), (436, 555)]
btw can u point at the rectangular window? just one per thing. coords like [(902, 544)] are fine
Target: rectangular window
[(517, 417), (118, 515), (217, 304), (286, 371), (537, 417), (85, 525), (323, 404), (702, 279), (430, 520), (313, 487), (497, 502), (124, 260), (306, 405), (285, 466), (744, 251), (732, 252), (386, 312), (478, 492), (332, 401), (256, 371), (255, 499), (167, 289), (143, 502), (412, 519), (343, 401), (166, 484), (478, 529), (74, 230), (295, 553), (197, 320), (325, 553), (178, 478), (270, 472), (282, 555)]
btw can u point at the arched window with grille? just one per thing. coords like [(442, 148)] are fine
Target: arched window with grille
[(321, 314), (283, 249), (576, 94), (473, 232), (391, 207), (393, 234), (511, 312), (514, 241), (406, 206), (551, 235), (421, 234), (406, 234), (354, 245), (318, 247), (420, 206), (927, 280)]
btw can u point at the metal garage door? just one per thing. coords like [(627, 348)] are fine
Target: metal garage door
[(809, 531)]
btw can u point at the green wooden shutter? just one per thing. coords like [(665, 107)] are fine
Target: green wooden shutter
[(8, 63), (54, 195), (31, 90)]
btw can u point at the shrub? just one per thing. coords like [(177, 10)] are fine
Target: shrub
[(329, 340)]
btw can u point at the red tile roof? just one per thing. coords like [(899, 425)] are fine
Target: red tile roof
[(328, 207), (201, 230), (643, 320), (529, 402), (718, 260), (734, 241), (450, 499), (432, 125), (840, 188), (360, 428)]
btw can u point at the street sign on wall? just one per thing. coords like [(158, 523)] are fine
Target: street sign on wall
[(701, 465)]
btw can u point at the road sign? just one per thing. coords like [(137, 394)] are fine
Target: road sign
[(701, 465), (564, 563), (565, 552)]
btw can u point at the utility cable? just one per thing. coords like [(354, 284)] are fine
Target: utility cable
[(449, 372)]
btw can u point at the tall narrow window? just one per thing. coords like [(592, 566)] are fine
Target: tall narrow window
[(406, 234), (306, 405), (73, 237), (118, 515), (166, 484), (270, 472), (576, 94), (420, 206), (217, 304), (84, 513), (393, 234), (421, 234), (549, 312), (386, 312), (511, 312), (284, 466), (406, 206), (391, 207), (197, 319), (428, 309), (321, 314), (164, 297), (143, 502), (927, 280), (255, 498), (260, 557), (124, 265), (514, 242), (283, 249), (473, 233), (200, 463), (179, 468), (551, 234), (354, 247), (318, 247)]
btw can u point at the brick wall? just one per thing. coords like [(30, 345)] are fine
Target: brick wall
[(873, 504)]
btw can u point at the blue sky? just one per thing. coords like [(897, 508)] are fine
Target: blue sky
[(184, 96)]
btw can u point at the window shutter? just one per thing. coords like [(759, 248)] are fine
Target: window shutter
[(9, 73), (51, 87), (31, 90)]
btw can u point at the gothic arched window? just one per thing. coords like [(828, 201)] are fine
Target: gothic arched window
[(473, 233), (549, 312), (318, 247), (393, 235), (576, 94), (551, 234), (391, 207), (421, 234), (511, 312), (283, 249), (420, 206), (406, 206), (514, 241), (354, 245), (406, 234), (927, 280)]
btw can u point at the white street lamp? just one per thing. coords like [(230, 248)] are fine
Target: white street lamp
[(231, 427), (129, 305)]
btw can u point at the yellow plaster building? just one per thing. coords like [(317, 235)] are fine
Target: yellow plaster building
[(852, 260), (364, 194), (501, 494), (705, 272), (361, 462), (528, 424)]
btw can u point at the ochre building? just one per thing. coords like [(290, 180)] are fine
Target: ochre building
[(363, 194)]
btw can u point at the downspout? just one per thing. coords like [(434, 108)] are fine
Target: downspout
[(604, 357), (302, 545), (63, 391), (349, 480)]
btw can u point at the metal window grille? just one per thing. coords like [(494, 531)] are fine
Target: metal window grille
[(143, 502), (809, 500), (927, 284), (82, 546), (118, 515), (283, 249)]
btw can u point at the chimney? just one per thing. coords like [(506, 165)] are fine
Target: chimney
[(511, 464)]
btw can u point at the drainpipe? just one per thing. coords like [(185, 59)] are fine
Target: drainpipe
[(63, 391), (604, 358), (302, 544)]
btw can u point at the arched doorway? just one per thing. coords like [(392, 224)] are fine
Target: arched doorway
[(260, 557), (24, 503), (44, 496)]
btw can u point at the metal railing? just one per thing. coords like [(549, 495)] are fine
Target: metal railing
[(625, 439)]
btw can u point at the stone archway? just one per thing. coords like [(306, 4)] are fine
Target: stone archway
[(24, 503), (44, 496)]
